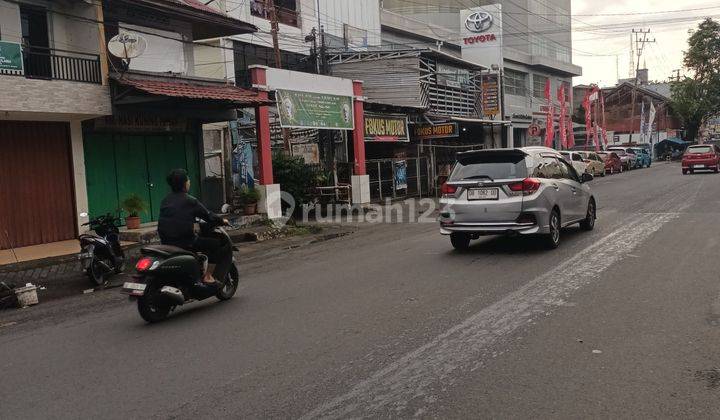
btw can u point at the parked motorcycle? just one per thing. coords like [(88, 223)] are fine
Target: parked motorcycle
[(101, 254), (169, 276)]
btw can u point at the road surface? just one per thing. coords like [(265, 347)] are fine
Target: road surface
[(391, 322)]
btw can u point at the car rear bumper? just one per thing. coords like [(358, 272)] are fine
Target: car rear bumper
[(494, 228), (707, 163)]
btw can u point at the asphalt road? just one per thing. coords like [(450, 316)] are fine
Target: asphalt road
[(620, 322)]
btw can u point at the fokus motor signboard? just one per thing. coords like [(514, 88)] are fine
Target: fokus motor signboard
[(481, 35)]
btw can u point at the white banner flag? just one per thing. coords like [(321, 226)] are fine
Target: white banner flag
[(643, 126), (651, 119)]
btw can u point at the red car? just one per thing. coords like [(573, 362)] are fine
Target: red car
[(700, 157), (612, 162)]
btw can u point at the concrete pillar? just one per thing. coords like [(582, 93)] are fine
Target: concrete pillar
[(78, 160), (510, 136), (359, 131), (270, 202), (360, 181)]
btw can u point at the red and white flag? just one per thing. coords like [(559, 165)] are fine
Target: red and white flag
[(549, 123), (602, 110), (562, 122)]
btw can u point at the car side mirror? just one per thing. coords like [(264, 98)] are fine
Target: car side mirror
[(586, 177)]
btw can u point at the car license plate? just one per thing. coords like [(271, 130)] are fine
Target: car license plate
[(133, 289), (84, 255), (483, 194), (699, 166)]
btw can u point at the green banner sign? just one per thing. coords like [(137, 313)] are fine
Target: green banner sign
[(314, 110), (11, 56)]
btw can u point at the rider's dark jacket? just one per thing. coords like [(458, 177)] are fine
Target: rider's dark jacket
[(177, 218)]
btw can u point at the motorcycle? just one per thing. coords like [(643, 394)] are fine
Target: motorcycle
[(101, 254), (169, 276)]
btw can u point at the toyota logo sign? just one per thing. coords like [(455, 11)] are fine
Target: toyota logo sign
[(479, 21)]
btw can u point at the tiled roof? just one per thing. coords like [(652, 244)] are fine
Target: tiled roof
[(189, 90)]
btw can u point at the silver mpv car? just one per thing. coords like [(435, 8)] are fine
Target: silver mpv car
[(529, 190)]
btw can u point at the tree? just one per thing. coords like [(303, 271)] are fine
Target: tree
[(696, 99), (690, 105)]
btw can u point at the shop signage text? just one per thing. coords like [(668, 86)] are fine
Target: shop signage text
[(490, 95), (429, 131), (308, 151), (11, 56), (385, 128), (479, 39), (314, 110)]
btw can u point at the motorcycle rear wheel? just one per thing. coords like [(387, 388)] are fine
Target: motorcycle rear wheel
[(152, 311), (232, 280), (96, 272)]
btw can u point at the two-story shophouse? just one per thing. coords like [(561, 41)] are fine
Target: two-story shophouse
[(51, 80), (80, 129)]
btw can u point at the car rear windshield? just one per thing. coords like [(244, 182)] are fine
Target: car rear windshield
[(603, 155), (490, 166), (701, 149)]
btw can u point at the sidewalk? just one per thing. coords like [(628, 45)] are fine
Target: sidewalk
[(62, 276)]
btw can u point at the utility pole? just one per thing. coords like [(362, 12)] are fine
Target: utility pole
[(677, 75), (323, 59), (639, 47), (274, 29)]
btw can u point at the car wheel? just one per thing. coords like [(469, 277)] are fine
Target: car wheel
[(552, 239), (589, 222), (717, 168), (602, 174), (460, 241), (684, 171)]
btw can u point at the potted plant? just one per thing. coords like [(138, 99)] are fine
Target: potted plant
[(133, 205), (249, 197)]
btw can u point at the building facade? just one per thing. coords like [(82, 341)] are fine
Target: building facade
[(536, 48), (51, 79)]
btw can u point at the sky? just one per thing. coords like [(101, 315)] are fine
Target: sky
[(601, 36)]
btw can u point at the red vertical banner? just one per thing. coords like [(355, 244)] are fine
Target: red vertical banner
[(561, 121), (588, 122), (570, 135), (602, 111), (549, 124)]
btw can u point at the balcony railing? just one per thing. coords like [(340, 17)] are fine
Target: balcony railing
[(48, 63)]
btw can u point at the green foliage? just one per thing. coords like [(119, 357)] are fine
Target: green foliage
[(695, 99), (133, 205), (249, 195), (296, 177)]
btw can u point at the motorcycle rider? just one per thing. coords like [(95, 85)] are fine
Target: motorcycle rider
[(178, 212)]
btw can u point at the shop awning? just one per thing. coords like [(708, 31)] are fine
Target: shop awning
[(193, 90), (206, 21)]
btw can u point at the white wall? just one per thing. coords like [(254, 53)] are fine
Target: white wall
[(308, 82), (162, 54), (10, 30), (361, 14)]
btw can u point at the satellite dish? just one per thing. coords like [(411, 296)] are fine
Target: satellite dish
[(127, 45)]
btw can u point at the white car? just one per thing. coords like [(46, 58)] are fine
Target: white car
[(576, 159)]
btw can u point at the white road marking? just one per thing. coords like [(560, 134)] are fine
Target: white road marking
[(411, 377)]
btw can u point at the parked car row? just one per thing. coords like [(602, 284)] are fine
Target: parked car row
[(614, 160)]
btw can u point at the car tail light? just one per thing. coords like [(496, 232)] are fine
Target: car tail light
[(527, 186), (447, 190), (144, 264), (586, 160)]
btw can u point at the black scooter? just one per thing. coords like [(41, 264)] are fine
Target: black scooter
[(101, 254), (168, 276)]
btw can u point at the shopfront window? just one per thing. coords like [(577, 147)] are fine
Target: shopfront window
[(515, 82), (539, 85), (287, 12)]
